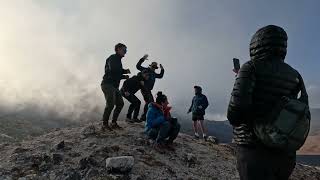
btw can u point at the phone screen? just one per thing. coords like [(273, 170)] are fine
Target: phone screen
[(236, 63)]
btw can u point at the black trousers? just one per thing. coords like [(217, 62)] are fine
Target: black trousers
[(113, 101), (134, 106), (259, 163), (148, 98)]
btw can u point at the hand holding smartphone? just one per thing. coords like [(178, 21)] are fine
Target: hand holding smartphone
[(236, 65)]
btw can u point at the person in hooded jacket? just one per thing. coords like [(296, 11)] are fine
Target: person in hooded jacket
[(160, 125), (260, 84), (198, 108), (129, 89)]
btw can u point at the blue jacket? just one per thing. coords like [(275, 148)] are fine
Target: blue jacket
[(197, 101), (155, 117)]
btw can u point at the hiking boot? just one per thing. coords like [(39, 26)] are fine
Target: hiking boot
[(159, 147), (115, 125), (105, 128), (205, 137), (170, 146), (137, 120), (196, 136), (129, 120)]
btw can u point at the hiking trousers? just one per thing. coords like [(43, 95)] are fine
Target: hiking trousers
[(134, 107), (113, 101), (148, 98), (259, 163), (165, 130)]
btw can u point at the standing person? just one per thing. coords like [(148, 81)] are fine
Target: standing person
[(198, 108), (129, 89), (160, 126), (261, 85), (110, 87), (149, 84)]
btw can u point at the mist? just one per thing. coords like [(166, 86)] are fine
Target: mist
[(52, 53)]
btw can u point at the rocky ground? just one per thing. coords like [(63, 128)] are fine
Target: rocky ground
[(86, 153)]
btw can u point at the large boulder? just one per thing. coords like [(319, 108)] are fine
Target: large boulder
[(122, 164)]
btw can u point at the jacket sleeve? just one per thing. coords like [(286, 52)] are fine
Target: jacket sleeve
[(205, 103), (303, 94), (190, 109), (159, 76), (241, 97), (139, 65)]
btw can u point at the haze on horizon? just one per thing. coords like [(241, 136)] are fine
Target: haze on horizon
[(52, 53)]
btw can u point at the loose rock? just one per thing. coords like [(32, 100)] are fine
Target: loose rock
[(123, 164)]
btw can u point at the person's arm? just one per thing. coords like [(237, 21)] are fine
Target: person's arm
[(303, 94), (139, 65), (241, 97), (191, 106), (159, 76), (205, 103)]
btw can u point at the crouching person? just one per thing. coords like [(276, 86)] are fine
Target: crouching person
[(160, 126), (128, 91)]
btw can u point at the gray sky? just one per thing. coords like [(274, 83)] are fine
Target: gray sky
[(52, 53)]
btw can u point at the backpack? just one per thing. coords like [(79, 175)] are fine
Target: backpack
[(286, 127)]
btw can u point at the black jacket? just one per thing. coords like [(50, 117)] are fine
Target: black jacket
[(199, 100), (259, 86), (113, 71), (149, 84), (133, 84)]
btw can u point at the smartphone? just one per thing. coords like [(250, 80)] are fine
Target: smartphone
[(236, 64)]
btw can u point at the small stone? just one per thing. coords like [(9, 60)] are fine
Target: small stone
[(60, 145), (213, 140), (88, 131), (122, 164)]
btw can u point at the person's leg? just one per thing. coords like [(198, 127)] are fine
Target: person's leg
[(148, 98), (253, 164), (153, 133), (131, 106), (286, 164), (163, 132), (195, 126), (202, 128), (109, 95), (119, 105), (174, 131), (136, 106)]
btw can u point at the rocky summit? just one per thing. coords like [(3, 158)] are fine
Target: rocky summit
[(87, 153)]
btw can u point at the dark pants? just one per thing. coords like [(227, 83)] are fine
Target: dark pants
[(148, 98), (260, 163), (134, 106), (113, 99), (165, 130)]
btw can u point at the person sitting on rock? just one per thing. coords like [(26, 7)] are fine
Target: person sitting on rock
[(128, 91), (198, 107), (160, 126)]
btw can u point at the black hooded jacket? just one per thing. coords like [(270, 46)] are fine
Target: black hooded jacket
[(113, 71)]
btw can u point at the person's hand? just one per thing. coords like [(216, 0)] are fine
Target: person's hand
[(126, 77), (235, 71), (188, 112), (142, 83), (127, 71), (161, 67), (200, 107), (126, 94), (145, 57)]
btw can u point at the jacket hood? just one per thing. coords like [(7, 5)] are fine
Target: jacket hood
[(269, 43)]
